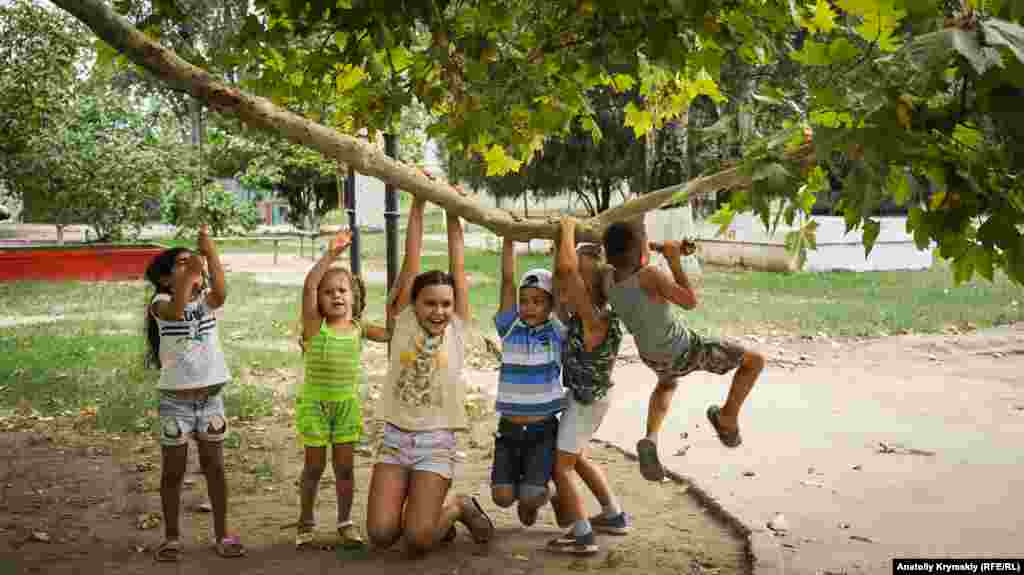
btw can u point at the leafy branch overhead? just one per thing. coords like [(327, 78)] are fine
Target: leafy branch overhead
[(913, 100)]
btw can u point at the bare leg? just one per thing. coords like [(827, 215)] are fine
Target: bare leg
[(570, 504), (657, 408), (343, 460), (742, 382), (427, 517), (595, 480), (312, 470), (389, 487), (211, 460), (172, 472)]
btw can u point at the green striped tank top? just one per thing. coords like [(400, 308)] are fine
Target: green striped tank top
[(333, 368)]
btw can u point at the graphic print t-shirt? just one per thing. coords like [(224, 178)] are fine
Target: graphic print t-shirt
[(190, 352)]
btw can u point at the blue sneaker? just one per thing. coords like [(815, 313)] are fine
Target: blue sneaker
[(576, 545), (615, 525)]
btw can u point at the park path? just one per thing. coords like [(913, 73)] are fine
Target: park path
[(905, 446)]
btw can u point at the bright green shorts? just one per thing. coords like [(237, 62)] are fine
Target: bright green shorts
[(323, 423)]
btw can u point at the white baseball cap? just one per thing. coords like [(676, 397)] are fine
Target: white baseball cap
[(538, 278)]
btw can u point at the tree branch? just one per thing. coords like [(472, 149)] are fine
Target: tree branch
[(367, 159)]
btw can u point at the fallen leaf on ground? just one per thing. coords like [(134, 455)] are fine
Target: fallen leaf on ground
[(148, 520), (861, 538), (778, 524), (41, 536)]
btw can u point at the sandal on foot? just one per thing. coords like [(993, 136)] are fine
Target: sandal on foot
[(481, 528), (450, 535), (650, 466), (348, 537), (230, 546), (729, 438), (304, 540), (169, 551)]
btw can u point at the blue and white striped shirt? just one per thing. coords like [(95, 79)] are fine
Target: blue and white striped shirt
[(530, 380)]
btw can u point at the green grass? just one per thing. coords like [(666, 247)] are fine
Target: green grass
[(93, 357)]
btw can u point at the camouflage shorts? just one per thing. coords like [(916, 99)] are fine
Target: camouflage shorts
[(716, 355)]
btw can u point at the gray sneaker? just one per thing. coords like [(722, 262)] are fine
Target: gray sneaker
[(615, 525)]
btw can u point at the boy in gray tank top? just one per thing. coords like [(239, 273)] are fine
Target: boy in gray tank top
[(644, 298)]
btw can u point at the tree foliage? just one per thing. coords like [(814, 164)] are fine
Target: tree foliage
[(98, 161), (914, 95)]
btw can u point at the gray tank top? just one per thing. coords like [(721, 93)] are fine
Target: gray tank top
[(660, 334)]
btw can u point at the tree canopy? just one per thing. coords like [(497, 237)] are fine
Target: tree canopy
[(911, 95)]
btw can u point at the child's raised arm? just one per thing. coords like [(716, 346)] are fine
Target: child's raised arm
[(508, 276), (595, 328), (457, 265), (676, 289), (311, 318), (402, 290), (218, 288)]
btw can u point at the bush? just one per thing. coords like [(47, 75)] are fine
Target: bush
[(183, 207)]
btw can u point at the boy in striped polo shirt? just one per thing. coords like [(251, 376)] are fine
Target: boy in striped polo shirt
[(530, 392)]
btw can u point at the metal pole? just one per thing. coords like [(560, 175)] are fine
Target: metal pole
[(391, 214), (353, 222)]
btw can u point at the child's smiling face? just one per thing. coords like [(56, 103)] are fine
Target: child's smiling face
[(434, 307)]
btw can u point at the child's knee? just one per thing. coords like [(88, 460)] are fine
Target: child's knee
[(419, 538), (753, 361), (383, 537), (312, 471), (503, 495), (343, 472), (533, 496)]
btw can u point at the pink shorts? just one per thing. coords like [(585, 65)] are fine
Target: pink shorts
[(434, 451)]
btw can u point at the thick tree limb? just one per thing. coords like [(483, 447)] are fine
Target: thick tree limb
[(260, 113)]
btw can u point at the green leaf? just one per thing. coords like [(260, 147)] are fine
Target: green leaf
[(812, 54), (963, 267), (983, 262), (880, 24), (705, 85), (499, 163), (871, 230), (823, 20), (858, 7), (898, 186), (723, 218), (622, 82), (968, 44), (1003, 33), (591, 126), (640, 120)]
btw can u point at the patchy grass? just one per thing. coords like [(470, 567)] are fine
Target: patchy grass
[(92, 357), (847, 303)]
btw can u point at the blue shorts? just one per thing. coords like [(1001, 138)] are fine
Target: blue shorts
[(201, 418), (524, 454)]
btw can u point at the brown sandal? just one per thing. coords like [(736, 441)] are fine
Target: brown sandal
[(230, 547), (481, 528), (169, 551), (728, 438)]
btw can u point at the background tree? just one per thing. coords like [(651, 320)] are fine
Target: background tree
[(501, 77)]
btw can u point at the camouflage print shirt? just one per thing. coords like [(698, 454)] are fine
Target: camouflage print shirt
[(588, 374)]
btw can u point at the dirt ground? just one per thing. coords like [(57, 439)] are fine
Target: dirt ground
[(74, 500)]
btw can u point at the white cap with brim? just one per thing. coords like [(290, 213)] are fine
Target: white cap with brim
[(538, 278)]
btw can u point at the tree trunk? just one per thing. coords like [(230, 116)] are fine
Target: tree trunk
[(366, 159)]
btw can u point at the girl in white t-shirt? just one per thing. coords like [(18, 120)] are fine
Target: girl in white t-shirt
[(181, 330), (423, 403)]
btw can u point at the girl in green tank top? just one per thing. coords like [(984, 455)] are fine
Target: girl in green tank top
[(328, 411)]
